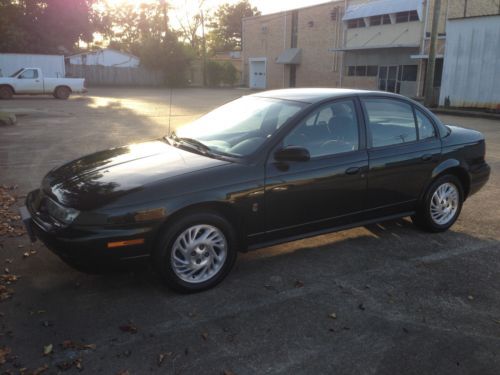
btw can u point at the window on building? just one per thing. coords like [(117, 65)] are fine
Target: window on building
[(361, 70), (407, 16), (375, 20), (295, 28), (409, 72), (386, 19), (391, 122), (372, 70), (358, 22), (414, 15)]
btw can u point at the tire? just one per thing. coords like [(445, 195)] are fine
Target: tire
[(189, 264), (62, 92), (438, 215), (6, 92)]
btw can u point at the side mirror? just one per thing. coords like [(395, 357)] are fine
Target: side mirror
[(292, 153)]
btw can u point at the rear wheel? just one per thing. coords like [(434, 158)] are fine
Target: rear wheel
[(441, 205), (62, 92), (6, 92), (196, 252)]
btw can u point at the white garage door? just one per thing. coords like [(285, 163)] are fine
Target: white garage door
[(257, 73)]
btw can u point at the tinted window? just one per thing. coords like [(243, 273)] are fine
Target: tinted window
[(29, 74), (425, 128), (331, 129), (391, 121)]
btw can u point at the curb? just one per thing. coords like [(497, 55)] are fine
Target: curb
[(7, 118), (463, 113)]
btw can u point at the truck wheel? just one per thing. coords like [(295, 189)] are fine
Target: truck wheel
[(62, 92), (6, 92)]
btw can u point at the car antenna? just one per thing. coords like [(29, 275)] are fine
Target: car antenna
[(170, 110)]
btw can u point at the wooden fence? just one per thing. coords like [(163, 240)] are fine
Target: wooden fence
[(97, 75)]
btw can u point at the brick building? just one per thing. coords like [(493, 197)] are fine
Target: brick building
[(372, 44)]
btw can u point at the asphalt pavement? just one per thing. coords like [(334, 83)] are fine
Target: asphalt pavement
[(381, 299)]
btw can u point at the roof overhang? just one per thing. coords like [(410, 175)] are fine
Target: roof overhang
[(425, 56), (379, 7), (363, 48), (290, 56)]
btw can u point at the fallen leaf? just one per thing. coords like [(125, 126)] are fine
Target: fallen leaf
[(5, 293), (129, 327), (26, 254), (299, 284), (333, 315), (361, 307), (470, 298), (4, 353), (162, 357), (40, 370), (47, 349), (204, 335), (497, 321), (123, 372), (228, 372), (9, 278), (9, 260)]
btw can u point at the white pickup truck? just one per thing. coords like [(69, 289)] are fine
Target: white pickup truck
[(31, 81)]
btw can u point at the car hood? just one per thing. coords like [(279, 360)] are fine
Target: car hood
[(103, 177)]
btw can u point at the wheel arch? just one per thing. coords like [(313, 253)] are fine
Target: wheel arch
[(9, 86), (227, 211), (455, 168), (59, 86)]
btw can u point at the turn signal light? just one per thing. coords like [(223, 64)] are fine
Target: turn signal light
[(138, 241)]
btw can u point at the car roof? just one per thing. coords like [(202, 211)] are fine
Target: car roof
[(314, 95)]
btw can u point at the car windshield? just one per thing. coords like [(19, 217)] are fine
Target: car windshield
[(238, 128), (16, 73)]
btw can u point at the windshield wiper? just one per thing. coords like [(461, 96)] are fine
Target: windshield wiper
[(192, 142)]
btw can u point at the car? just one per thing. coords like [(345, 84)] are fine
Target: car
[(30, 81), (264, 169)]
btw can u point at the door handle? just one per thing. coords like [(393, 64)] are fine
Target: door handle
[(353, 170), (426, 157)]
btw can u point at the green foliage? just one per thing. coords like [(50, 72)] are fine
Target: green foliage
[(221, 73), (44, 26), (225, 34), (143, 31)]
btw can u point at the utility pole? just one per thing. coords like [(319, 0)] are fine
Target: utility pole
[(431, 62)]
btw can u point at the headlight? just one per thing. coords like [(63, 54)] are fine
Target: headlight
[(61, 213)]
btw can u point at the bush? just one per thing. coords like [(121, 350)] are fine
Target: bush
[(221, 74)]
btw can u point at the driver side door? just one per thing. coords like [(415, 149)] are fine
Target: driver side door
[(327, 190), (28, 82)]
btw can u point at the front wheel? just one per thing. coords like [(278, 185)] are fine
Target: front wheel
[(441, 205), (196, 252)]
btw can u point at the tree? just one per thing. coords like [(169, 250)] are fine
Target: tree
[(225, 25), (143, 30), (45, 26)]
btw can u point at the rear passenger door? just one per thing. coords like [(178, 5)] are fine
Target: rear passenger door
[(403, 150)]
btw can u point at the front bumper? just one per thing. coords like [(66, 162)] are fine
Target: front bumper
[(84, 245)]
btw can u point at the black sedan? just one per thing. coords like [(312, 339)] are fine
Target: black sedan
[(266, 168)]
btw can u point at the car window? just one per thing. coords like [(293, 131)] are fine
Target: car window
[(331, 129), (29, 74), (390, 121), (425, 128)]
